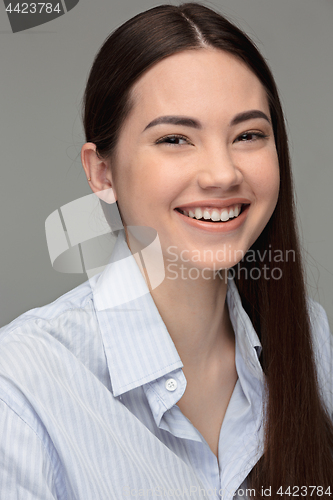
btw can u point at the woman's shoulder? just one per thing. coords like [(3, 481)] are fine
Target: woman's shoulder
[(74, 299), (322, 341), (51, 346), (319, 323), (61, 324)]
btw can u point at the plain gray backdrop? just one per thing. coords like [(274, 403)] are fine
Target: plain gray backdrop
[(42, 77)]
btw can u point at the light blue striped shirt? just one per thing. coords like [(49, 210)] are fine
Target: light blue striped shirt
[(89, 392)]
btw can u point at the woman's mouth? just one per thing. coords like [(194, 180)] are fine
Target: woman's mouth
[(213, 214), (214, 219)]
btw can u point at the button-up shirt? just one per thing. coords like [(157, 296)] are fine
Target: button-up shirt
[(89, 386)]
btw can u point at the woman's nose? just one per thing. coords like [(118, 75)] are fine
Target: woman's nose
[(218, 170)]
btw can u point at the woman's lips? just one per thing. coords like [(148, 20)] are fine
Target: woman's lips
[(216, 227)]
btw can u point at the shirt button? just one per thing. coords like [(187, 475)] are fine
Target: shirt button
[(171, 384)]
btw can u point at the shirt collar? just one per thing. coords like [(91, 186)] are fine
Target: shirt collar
[(137, 344), (246, 337)]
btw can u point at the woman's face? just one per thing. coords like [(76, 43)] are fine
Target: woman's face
[(208, 162)]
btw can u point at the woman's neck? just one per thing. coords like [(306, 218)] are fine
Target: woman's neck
[(196, 315)]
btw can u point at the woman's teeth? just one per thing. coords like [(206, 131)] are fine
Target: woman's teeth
[(214, 215)]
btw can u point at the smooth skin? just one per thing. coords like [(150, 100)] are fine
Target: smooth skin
[(218, 161)]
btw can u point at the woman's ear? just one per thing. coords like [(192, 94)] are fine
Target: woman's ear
[(98, 172)]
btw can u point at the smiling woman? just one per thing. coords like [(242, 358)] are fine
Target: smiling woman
[(218, 377)]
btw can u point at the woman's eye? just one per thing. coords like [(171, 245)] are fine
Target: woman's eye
[(173, 140), (251, 137)]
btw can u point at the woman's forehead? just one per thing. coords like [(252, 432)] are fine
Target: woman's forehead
[(201, 79)]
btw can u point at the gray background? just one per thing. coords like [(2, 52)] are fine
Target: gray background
[(42, 77)]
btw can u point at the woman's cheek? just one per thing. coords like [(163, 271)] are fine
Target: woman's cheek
[(266, 175)]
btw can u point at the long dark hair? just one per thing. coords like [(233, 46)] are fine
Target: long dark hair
[(298, 429)]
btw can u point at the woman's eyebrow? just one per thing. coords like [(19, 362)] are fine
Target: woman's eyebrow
[(175, 120), (194, 123), (248, 115)]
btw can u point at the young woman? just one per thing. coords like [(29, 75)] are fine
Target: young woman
[(216, 379)]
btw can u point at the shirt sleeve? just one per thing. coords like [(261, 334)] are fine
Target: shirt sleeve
[(323, 348), (26, 471)]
